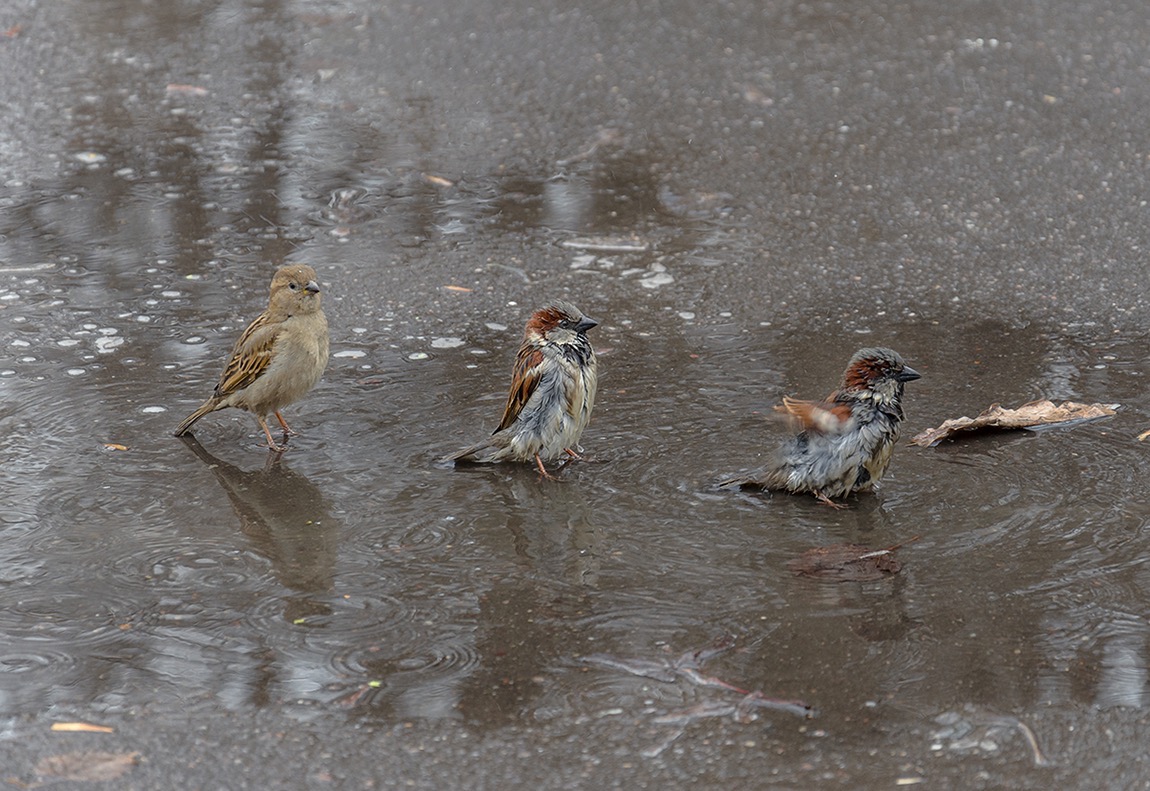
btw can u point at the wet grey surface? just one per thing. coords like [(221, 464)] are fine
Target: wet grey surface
[(779, 184)]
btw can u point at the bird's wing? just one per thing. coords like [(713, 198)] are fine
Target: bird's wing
[(250, 356), (825, 417), (529, 369)]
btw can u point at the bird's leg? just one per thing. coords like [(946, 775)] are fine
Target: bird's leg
[(287, 429), (573, 454), (822, 498), (267, 432), (543, 470)]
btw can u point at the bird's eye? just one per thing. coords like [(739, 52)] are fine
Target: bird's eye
[(565, 324), (294, 286)]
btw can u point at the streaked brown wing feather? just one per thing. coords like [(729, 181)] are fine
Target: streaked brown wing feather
[(825, 418), (250, 356), (528, 372)]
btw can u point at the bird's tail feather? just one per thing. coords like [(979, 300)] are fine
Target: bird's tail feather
[(470, 451), (211, 405)]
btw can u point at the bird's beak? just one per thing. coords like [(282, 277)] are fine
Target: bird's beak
[(312, 287), (908, 374), (585, 324)]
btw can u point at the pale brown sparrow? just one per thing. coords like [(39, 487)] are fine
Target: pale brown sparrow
[(279, 357)]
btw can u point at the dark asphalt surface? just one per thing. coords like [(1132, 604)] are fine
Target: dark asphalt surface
[(966, 170)]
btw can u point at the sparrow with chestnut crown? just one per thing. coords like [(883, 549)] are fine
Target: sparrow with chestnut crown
[(552, 392), (844, 444)]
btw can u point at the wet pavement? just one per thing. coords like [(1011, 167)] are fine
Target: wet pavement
[(743, 194)]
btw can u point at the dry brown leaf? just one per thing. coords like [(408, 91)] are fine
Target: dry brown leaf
[(90, 766), (81, 727), (438, 181), (846, 563), (114, 446), (1142, 437), (464, 289), (1036, 413)]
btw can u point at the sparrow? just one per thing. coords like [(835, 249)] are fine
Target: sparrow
[(552, 392), (278, 358), (845, 443)]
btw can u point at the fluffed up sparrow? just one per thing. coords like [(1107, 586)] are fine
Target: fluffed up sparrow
[(279, 357), (552, 392), (845, 442)]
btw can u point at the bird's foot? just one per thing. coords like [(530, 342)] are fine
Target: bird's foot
[(543, 470), (288, 431), (272, 444), (822, 498)]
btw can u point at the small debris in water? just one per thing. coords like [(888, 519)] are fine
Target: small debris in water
[(179, 89), (81, 727), (688, 667), (656, 279), (19, 270), (607, 244), (353, 354), (847, 562), (419, 356), (447, 343), (107, 345)]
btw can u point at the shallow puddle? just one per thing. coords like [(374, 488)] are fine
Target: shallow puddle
[(357, 579)]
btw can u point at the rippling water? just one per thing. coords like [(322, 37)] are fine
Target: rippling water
[(355, 571)]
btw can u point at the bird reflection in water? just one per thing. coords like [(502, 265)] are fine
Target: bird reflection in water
[(286, 518)]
